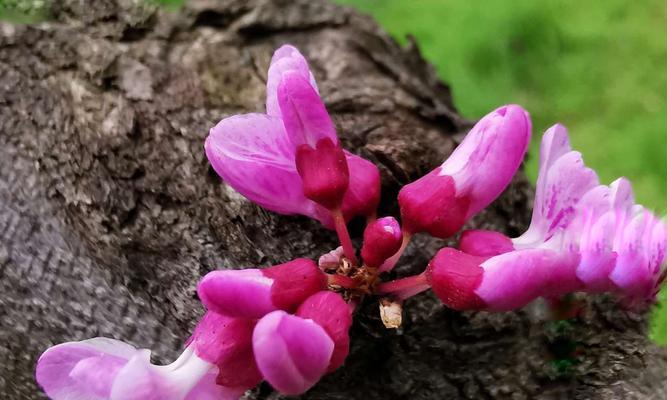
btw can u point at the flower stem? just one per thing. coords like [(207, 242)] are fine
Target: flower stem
[(391, 261), (404, 288), (344, 235)]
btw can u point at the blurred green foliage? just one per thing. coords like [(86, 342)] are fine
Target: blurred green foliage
[(600, 68), (24, 11)]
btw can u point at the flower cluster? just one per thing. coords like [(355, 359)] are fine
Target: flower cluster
[(288, 324)]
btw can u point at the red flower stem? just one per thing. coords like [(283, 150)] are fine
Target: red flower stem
[(404, 288), (344, 235), (342, 281), (391, 261)]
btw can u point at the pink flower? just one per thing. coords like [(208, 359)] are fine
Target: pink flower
[(272, 158), (103, 368), (299, 331), (583, 237), (476, 173)]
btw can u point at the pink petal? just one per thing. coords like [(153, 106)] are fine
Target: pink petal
[(83, 369), (514, 279), (332, 313), (303, 113), (363, 193), (454, 276), (382, 239), (324, 173), (484, 243), (485, 162), (137, 380), (244, 293), (331, 260), (292, 353), (227, 343), (286, 59), (622, 197), (632, 273), (294, 282), (597, 256), (658, 253), (430, 204), (254, 155), (558, 198), (208, 389)]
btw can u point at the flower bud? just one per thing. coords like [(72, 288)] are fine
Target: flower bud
[(382, 239)]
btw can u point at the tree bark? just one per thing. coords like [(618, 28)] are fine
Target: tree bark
[(110, 213)]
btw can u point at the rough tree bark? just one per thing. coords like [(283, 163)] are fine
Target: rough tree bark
[(109, 212)]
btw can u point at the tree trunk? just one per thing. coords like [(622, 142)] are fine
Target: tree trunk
[(110, 213)]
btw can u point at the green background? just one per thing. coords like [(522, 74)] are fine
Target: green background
[(598, 67)]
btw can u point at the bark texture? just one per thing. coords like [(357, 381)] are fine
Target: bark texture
[(110, 213)]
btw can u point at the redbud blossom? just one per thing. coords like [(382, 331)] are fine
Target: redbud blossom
[(477, 172), (256, 153), (583, 237)]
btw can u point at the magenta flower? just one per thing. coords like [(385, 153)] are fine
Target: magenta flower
[(477, 172), (583, 237), (289, 324), (292, 351), (289, 160)]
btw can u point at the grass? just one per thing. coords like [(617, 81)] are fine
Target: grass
[(597, 67)]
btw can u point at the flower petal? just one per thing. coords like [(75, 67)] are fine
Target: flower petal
[(430, 204), (484, 243), (363, 194), (622, 197), (244, 293), (304, 116), (560, 187), (254, 155), (331, 312), (485, 162), (286, 58), (208, 389), (632, 273), (294, 282), (227, 343), (138, 380), (83, 369), (292, 353), (454, 276), (514, 279), (597, 256)]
